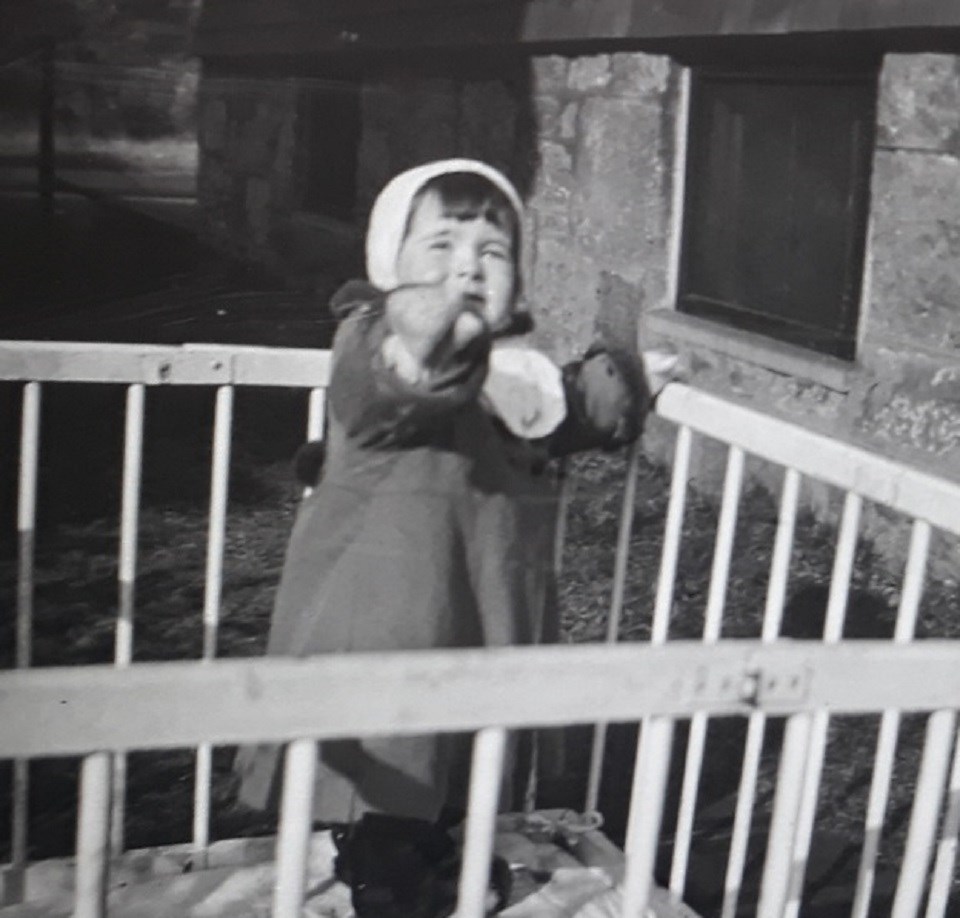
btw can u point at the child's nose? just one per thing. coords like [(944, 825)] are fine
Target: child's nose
[(468, 263)]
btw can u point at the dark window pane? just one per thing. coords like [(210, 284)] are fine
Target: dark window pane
[(329, 130), (776, 201)]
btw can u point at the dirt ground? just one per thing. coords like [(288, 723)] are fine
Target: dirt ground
[(76, 575)]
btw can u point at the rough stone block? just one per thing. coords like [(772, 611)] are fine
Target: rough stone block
[(919, 102), (549, 74), (637, 74), (563, 298), (621, 203), (568, 121), (589, 74), (915, 251), (546, 110)]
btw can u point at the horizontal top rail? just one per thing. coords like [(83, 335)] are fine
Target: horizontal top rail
[(152, 365), (62, 711), (835, 462)]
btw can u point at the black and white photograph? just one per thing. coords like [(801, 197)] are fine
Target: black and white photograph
[(479, 457)]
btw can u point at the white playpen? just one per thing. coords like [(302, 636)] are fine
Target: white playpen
[(103, 712)]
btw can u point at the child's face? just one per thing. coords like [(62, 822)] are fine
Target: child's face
[(471, 260)]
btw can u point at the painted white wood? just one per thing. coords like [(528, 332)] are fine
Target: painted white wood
[(713, 618), (316, 413), (786, 805), (947, 847), (770, 630), (93, 842), (914, 867), (484, 796), (646, 812), (26, 538), (296, 821), (814, 455), (673, 532), (213, 587), (883, 763), (188, 364), (817, 744), (126, 577), (64, 710), (29, 455), (743, 814)]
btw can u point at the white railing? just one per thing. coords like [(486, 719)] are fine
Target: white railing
[(489, 691)]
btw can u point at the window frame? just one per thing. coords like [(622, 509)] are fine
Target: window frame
[(840, 339)]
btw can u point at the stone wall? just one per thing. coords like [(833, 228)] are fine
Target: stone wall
[(911, 330)]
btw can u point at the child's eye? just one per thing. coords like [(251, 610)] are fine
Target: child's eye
[(439, 245), (496, 252)]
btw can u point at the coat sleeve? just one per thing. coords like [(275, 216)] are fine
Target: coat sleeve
[(378, 407)]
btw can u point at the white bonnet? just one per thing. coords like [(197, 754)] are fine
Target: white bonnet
[(391, 210)]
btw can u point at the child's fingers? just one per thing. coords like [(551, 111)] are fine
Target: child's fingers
[(467, 327), (430, 324)]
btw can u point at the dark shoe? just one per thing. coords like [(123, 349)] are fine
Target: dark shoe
[(406, 868)]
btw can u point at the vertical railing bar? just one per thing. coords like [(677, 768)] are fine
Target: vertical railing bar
[(904, 629), (673, 532), (649, 787), (316, 412), (293, 833), (842, 568), (726, 530), (93, 836), (126, 579), (743, 814), (26, 548), (915, 865), (621, 559), (816, 751), (669, 555), (316, 416), (947, 847), (216, 532), (777, 865), (486, 773), (772, 618), (716, 598), (780, 561)]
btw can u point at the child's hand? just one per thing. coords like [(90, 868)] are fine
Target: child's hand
[(429, 326)]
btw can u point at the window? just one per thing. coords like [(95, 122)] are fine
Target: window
[(329, 125), (776, 197)]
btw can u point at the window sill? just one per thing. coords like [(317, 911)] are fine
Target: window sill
[(752, 348)]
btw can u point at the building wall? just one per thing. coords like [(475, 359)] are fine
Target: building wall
[(595, 144), (901, 396)]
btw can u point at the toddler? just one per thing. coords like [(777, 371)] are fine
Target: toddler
[(433, 521)]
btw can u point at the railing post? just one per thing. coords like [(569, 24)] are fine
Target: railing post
[(485, 780), (216, 539), (296, 820), (93, 836)]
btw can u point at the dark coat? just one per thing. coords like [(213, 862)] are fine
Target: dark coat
[(432, 527)]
